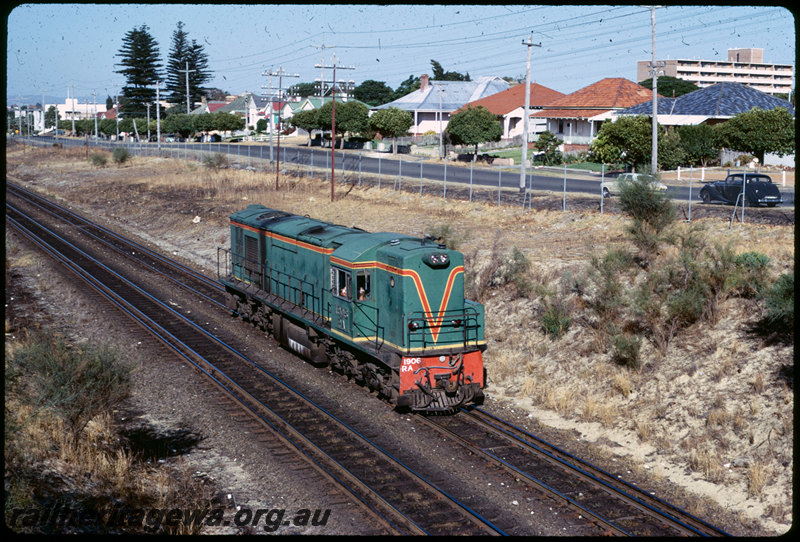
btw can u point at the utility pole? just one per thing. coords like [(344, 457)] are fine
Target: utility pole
[(148, 121), (526, 113), (187, 71), (281, 74), (333, 115), (158, 115), (654, 67), (441, 147), (72, 105), (95, 114)]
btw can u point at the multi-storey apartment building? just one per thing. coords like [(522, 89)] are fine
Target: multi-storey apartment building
[(745, 66)]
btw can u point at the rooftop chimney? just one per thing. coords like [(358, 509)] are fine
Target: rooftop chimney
[(423, 81)]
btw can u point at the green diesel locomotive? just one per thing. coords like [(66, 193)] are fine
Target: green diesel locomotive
[(385, 309)]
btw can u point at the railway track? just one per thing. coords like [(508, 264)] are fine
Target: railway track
[(620, 508), (399, 498)]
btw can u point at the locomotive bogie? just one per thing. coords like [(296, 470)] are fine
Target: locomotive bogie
[(383, 309)]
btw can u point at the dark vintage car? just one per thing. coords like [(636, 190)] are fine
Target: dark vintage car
[(759, 190)]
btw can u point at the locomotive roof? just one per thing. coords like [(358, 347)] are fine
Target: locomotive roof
[(348, 243)]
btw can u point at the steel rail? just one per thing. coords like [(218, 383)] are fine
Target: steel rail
[(168, 339), (517, 435)]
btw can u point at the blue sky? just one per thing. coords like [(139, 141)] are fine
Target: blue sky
[(51, 47)]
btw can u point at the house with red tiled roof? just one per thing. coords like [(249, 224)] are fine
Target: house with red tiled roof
[(510, 104), (576, 118)]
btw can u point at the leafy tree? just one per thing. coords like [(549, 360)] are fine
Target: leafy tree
[(226, 122), (411, 84), (141, 67), (204, 123), (671, 87), (391, 122), (440, 75), (670, 151), (373, 92), (351, 117), (178, 123), (474, 125), (107, 127), (51, 116), (548, 144), (758, 132), (306, 120), (627, 140), (700, 144), (109, 103)]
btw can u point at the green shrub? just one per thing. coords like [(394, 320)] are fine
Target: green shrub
[(556, 319), (651, 211), (606, 274), (751, 277), (98, 160), (514, 271), (779, 301), (120, 155), (76, 383), (688, 305), (625, 350), (215, 161)]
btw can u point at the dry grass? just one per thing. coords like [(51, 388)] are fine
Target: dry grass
[(572, 375)]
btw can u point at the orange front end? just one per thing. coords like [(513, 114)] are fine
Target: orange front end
[(441, 382)]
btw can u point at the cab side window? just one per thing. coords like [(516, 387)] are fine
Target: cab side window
[(363, 286), (341, 283)]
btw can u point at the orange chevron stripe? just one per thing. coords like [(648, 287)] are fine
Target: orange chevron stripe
[(420, 287)]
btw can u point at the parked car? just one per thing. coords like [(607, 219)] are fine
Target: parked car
[(759, 190), (611, 188)]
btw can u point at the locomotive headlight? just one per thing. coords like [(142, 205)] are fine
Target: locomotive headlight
[(438, 259), (413, 325)]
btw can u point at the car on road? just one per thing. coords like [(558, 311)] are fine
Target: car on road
[(759, 190), (611, 188)]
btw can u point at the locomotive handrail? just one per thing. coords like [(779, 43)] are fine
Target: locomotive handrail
[(377, 330), (458, 322), (272, 282)]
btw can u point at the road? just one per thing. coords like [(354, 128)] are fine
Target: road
[(389, 167)]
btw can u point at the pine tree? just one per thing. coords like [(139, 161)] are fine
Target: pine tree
[(175, 85), (140, 65), (198, 61), (183, 56)]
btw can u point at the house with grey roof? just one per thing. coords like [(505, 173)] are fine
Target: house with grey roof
[(713, 105), (710, 105), (433, 103)]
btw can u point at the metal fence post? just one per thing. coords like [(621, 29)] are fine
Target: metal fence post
[(602, 182), (421, 160)]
